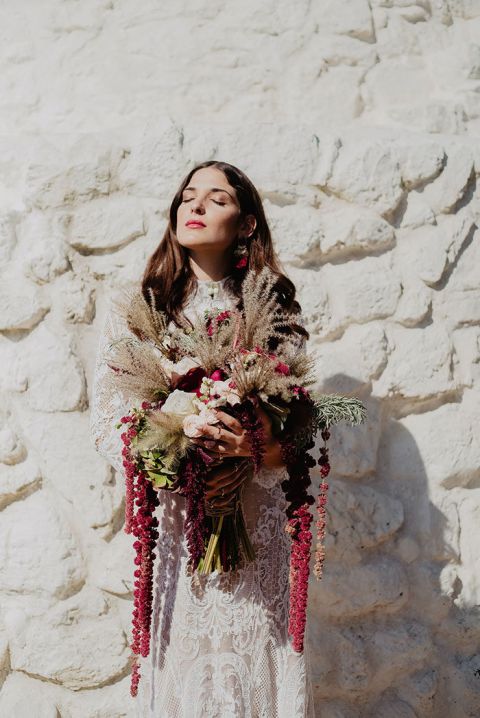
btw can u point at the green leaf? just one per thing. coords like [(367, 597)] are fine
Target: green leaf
[(159, 480)]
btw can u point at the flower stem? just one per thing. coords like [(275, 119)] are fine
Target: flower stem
[(212, 546)]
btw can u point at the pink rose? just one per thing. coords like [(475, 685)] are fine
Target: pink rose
[(193, 423)]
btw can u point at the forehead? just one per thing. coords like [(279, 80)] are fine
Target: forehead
[(210, 178)]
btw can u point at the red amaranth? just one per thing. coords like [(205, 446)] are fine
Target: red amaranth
[(252, 424), (140, 503), (298, 463)]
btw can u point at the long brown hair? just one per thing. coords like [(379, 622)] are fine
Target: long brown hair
[(168, 272)]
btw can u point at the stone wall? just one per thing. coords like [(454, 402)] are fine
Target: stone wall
[(357, 122)]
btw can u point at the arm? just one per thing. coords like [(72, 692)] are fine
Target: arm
[(108, 404)]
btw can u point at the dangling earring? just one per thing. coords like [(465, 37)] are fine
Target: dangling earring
[(241, 253)]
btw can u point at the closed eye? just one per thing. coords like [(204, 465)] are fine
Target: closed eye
[(213, 200)]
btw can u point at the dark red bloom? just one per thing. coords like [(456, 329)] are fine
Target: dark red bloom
[(191, 380)]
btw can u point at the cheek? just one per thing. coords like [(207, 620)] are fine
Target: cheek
[(229, 222)]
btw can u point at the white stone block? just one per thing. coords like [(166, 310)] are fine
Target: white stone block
[(337, 710), (357, 22), (418, 365), (442, 445), (466, 342), (359, 590), (40, 553), (42, 245), (72, 466), (112, 566), (415, 302), (18, 480), (430, 252), (394, 709), (69, 169), (368, 173), (419, 691), (397, 84), (347, 229), (297, 232), (339, 295), (359, 518), (112, 701), (398, 650), (8, 238), (23, 306), (106, 224), (420, 160), (417, 212), (349, 364), (55, 377), (30, 703), (78, 301), (78, 643), (153, 162), (450, 186), (12, 449)]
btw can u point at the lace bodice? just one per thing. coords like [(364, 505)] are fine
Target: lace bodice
[(219, 647)]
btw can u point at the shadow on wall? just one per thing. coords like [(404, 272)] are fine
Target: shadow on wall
[(387, 638)]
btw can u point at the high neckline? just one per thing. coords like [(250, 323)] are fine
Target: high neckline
[(212, 281)]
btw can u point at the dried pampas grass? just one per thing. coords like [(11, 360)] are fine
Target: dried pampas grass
[(136, 360)]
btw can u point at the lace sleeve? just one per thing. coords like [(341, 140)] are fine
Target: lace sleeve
[(108, 404)]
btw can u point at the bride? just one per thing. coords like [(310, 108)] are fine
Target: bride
[(220, 646)]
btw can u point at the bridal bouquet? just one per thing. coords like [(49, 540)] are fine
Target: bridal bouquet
[(237, 360)]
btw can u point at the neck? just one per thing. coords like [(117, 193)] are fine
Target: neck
[(210, 267)]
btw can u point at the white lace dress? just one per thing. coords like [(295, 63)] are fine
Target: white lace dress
[(219, 647)]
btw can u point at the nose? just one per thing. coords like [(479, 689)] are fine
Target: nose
[(197, 206)]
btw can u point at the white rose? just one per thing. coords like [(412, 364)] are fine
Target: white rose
[(179, 402)]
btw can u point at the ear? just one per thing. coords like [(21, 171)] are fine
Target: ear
[(247, 228)]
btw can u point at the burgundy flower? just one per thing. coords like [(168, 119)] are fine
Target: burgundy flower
[(191, 380)]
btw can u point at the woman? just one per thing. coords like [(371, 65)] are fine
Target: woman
[(220, 645)]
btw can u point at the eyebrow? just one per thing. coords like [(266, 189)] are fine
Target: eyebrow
[(212, 189)]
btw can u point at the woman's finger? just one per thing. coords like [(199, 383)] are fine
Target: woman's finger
[(228, 486), (230, 422), (218, 479), (216, 433), (225, 483)]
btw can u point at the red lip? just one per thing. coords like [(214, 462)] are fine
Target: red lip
[(194, 223)]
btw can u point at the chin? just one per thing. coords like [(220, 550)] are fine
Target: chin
[(203, 244)]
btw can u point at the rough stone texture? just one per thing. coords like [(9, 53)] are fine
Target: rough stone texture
[(360, 127), (63, 646)]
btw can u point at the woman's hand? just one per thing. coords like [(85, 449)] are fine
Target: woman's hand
[(223, 482), (232, 440)]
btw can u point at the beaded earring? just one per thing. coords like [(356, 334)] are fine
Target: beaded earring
[(241, 254)]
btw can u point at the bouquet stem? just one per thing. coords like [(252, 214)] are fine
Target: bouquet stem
[(228, 541), (212, 552)]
